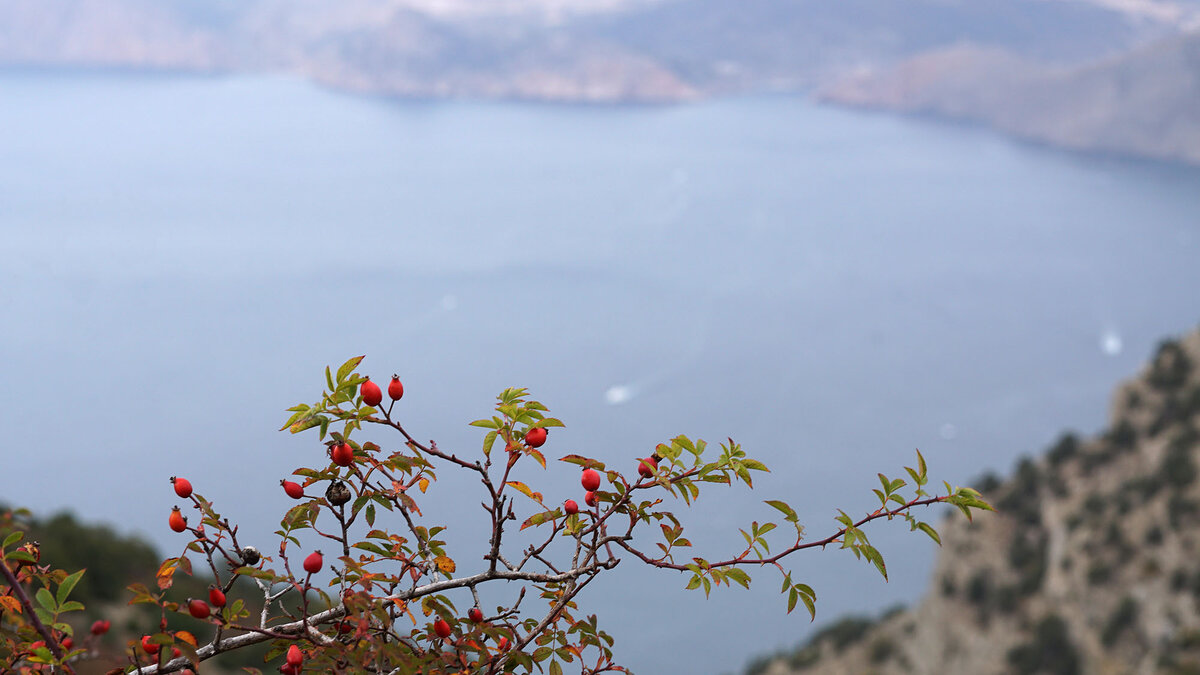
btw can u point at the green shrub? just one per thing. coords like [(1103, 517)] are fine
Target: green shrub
[(949, 588), (845, 632), (1027, 556), (1143, 487), (1066, 448), (1133, 399), (1123, 435), (1178, 469), (987, 483), (1099, 573), (1170, 368), (1121, 620), (882, 650), (1050, 650), (1181, 509), (1022, 501)]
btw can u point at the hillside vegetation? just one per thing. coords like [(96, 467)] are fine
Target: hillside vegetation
[(1090, 565)]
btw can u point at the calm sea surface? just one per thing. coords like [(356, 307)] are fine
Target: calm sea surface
[(180, 258)]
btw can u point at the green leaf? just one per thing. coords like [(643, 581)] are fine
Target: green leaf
[(486, 424), (873, 555), (585, 462), (738, 576), (370, 514), (22, 556), (810, 605), (927, 529), (755, 465), (329, 379), (555, 669), (67, 585), (13, 538), (538, 518), (70, 606), (348, 367), (45, 599), (788, 512), (525, 490), (305, 423), (256, 573), (372, 547)]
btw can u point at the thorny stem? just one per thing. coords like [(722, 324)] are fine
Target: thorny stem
[(23, 598), (875, 515)]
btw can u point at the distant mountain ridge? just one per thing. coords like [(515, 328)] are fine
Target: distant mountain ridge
[(1089, 566), (1143, 103), (1115, 76), (588, 50)]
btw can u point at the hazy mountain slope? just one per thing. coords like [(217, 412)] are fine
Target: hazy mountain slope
[(1144, 103), (578, 49), (751, 43), (1056, 71), (1090, 566)]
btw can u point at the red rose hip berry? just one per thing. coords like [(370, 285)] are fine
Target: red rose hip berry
[(590, 480), (395, 388), (199, 609), (570, 507), (101, 626), (176, 520), (441, 628), (342, 454), (475, 614), (647, 467), (590, 498), (148, 646), (371, 394), (183, 488), (216, 597), (295, 657), (313, 563), (293, 490), (534, 438)]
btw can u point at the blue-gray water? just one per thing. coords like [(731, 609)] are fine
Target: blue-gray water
[(181, 257)]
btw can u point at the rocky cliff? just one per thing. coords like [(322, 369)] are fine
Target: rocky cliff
[(1091, 565)]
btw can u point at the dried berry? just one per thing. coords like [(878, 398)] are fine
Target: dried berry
[(337, 493)]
